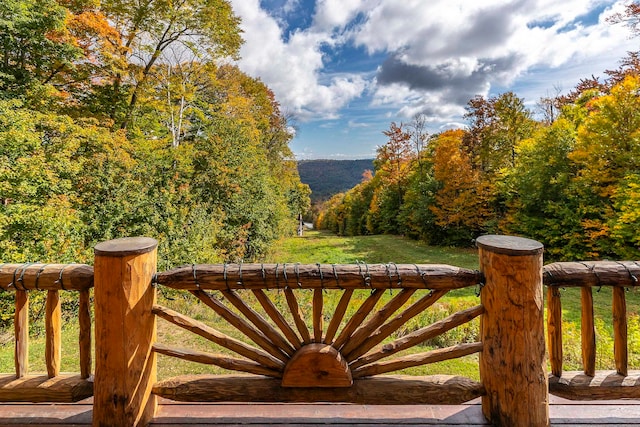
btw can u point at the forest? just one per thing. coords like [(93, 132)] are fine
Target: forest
[(568, 176), (124, 118)]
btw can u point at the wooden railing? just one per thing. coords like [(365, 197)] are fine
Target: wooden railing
[(590, 384), (21, 279), (294, 357)]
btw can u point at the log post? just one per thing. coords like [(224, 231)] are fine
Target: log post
[(125, 331), (513, 362)]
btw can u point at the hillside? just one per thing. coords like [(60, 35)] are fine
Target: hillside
[(328, 177)]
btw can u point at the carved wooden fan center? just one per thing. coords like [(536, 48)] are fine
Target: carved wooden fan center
[(317, 365)]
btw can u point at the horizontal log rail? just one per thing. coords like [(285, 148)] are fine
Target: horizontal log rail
[(591, 384), (318, 276), (22, 279), (592, 274)]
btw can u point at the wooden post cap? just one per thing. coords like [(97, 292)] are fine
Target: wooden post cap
[(125, 246), (509, 245)]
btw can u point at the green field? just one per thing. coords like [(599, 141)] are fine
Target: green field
[(319, 247)]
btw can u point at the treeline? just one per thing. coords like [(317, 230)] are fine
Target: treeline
[(329, 177), (570, 179), (124, 118)]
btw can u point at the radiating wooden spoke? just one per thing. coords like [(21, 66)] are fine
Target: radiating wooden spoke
[(363, 332), (420, 335), (317, 315), (588, 332), (392, 326), (292, 302), (282, 339), (338, 315), (277, 318), (433, 356), (620, 348), (358, 317), (216, 359), (262, 325), (219, 338), (241, 324)]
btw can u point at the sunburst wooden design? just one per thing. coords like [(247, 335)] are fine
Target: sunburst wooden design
[(308, 354)]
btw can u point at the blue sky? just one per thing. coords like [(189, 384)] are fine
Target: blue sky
[(345, 69)]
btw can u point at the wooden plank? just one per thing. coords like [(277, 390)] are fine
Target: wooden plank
[(53, 333), (620, 351), (554, 329), (367, 306), (419, 336), (604, 385), (277, 318), (84, 338), (220, 360), (393, 325), (312, 276), (338, 314), (317, 315), (41, 388), (588, 333), (254, 317), (219, 338), (387, 390), (437, 355), (46, 277), (21, 328), (592, 273), (294, 308), (242, 325), (365, 330)]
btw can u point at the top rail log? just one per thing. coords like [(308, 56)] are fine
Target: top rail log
[(46, 277), (313, 276), (592, 273)]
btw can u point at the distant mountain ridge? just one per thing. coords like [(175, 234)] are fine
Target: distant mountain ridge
[(329, 177)]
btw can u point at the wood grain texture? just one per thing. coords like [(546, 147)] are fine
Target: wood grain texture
[(603, 385), (375, 321), (46, 277), (338, 315), (277, 318), (513, 359), (219, 338), (620, 351), (21, 333), (221, 360), (53, 333), (259, 322), (317, 315), (385, 390), (394, 324), (312, 276), (41, 388), (587, 332), (554, 329), (358, 317), (592, 273), (437, 355), (84, 338), (317, 365), (241, 324), (419, 336), (298, 316), (125, 330)]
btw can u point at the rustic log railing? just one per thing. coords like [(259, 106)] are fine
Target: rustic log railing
[(21, 279), (294, 357), (590, 384)]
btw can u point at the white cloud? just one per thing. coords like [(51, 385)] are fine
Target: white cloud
[(292, 69)]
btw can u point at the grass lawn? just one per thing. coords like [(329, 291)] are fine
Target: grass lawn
[(319, 247)]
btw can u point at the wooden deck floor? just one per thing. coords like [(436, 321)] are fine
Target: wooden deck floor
[(172, 414)]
